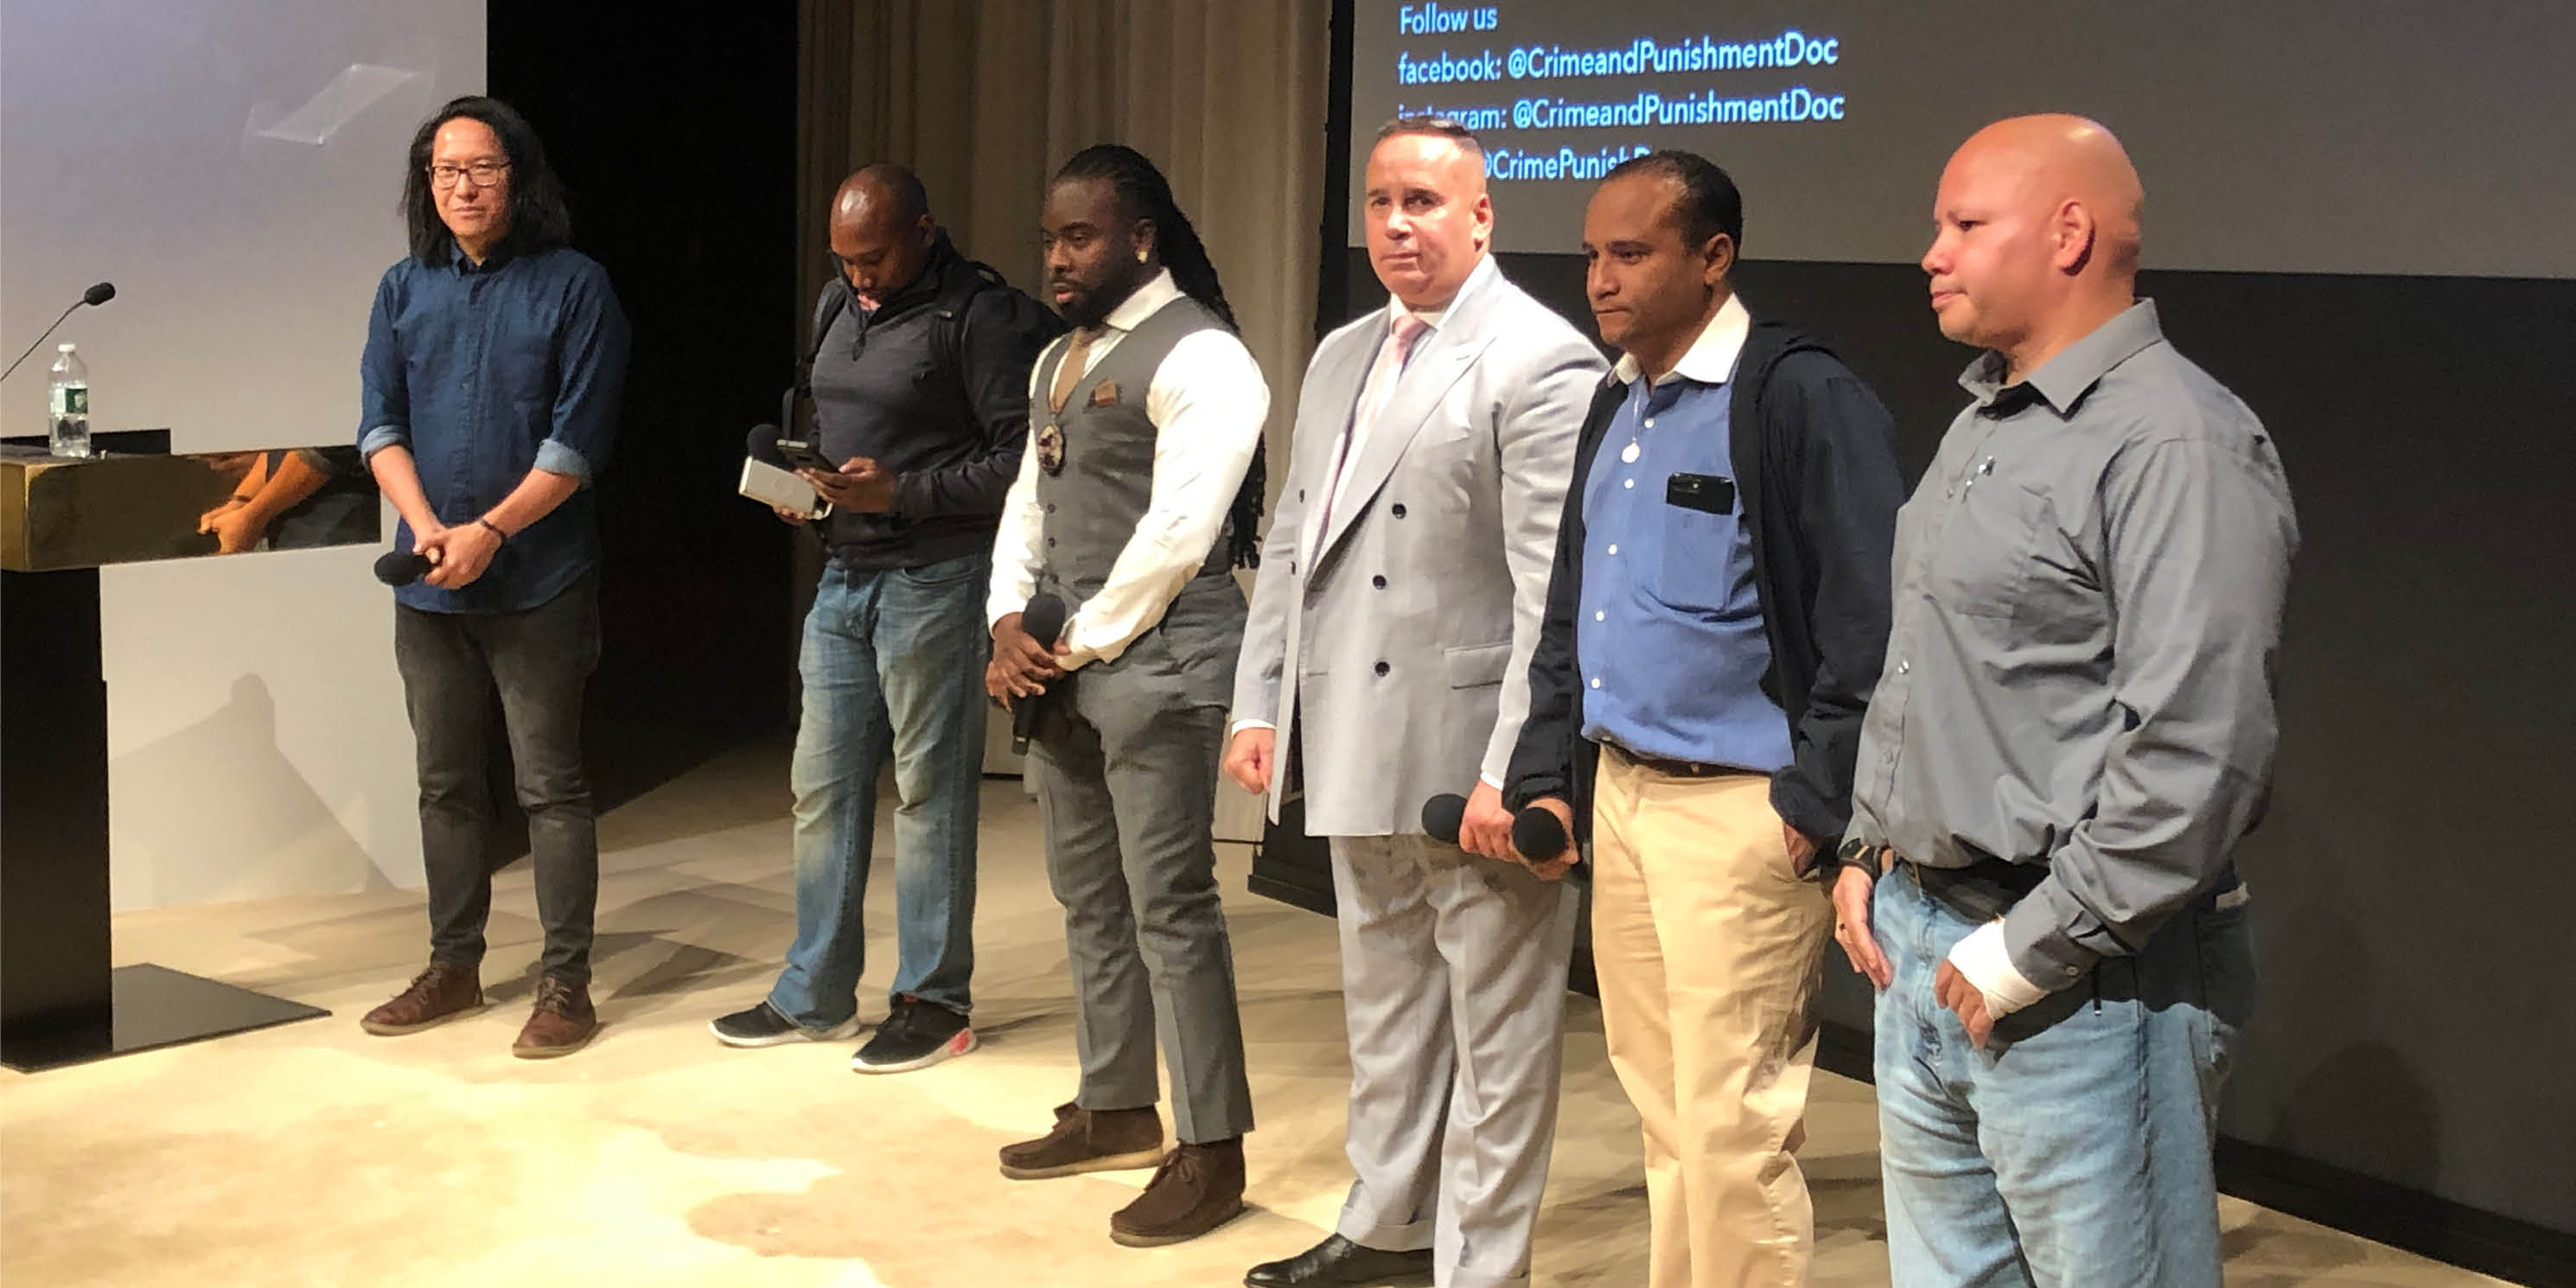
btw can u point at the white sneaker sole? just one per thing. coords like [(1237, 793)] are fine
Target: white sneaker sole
[(841, 1032), (963, 1042)]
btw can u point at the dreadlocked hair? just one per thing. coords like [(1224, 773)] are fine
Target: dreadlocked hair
[(1144, 193)]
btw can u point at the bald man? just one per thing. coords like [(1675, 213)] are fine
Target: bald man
[(919, 380), (2073, 730)]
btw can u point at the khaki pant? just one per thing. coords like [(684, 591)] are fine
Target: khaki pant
[(1708, 954)]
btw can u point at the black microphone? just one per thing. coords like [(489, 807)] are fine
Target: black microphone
[(1535, 831), (1443, 815), (401, 567), (1537, 834), (761, 444), (98, 294), (1043, 619)]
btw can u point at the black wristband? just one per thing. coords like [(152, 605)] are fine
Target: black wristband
[(496, 529)]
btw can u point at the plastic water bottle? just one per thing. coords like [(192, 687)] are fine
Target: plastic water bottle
[(71, 405)]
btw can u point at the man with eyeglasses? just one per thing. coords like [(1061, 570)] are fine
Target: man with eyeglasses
[(495, 359)]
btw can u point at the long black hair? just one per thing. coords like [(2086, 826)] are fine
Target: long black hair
[(1143, 193), (539, 217)]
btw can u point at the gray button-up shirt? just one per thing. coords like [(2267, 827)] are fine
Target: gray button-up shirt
[(2080, 663)]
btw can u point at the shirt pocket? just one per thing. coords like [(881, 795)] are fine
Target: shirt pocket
[(1986, 548), (521, 361), (1694, 568)]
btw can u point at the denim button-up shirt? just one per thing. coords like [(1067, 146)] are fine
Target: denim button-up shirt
[(486, 372)]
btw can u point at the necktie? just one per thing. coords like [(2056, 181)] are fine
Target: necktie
[(1374, 395), (1069, 373)]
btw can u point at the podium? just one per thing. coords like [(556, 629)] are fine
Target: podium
[(62, 1001)]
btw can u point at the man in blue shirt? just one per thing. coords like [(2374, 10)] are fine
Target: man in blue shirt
[(1713, 627), (495, 358)]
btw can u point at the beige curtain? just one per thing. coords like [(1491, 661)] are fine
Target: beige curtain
[(984, 98)]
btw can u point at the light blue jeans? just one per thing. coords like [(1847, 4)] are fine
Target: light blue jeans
[(2074, 1149), (893, 663)]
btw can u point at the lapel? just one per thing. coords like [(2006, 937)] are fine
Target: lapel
[(1443, 361)]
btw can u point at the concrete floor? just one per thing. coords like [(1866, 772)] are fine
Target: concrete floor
[(314, 1154)]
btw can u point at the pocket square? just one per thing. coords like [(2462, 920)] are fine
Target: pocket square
[(1104, 393)]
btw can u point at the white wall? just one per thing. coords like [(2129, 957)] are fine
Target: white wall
[(233, 167)]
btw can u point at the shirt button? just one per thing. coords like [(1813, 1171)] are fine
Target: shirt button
[(1382, 668), (1614, 549), (1397, 509), (1379, 582), (1650, 422), (1904, 667), (2072, 972), (1598, 615), (1596, 681), (1301, 494), (1050, 543), (1629, 483)]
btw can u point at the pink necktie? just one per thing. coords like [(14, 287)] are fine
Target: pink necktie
[(1374, 395)]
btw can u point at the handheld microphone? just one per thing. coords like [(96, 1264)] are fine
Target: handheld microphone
[(761, 445), (401, 567), (1043, 619), (1443, 815), (95, 295), (1535, 831)]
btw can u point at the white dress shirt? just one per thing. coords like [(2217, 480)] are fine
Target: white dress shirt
[(1207, 402)]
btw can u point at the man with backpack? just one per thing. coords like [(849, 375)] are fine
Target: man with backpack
[(919, 373)]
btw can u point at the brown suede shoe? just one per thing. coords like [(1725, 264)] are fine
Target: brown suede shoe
[(1086, 1140), (1197, 1189), (439, 994), (561, 1023)]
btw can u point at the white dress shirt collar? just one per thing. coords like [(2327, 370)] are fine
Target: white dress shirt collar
[(1711, 358), (1145, 302)]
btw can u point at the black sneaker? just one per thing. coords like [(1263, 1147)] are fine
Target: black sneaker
[(918, 1035), (765, 1025)]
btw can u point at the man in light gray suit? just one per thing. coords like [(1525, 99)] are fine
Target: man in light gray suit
[(1399, 600)]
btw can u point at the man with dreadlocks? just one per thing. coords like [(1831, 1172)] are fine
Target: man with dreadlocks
[(1137, 497), (1391, 638)]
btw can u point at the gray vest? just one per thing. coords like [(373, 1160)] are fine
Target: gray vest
[(1091, 505)]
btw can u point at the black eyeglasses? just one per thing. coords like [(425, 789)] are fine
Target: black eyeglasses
[(486, 173)]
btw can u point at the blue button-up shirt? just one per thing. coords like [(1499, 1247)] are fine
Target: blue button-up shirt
[(486, 372), (1670, 629)]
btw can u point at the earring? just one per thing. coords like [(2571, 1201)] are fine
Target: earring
[(1140, 256)]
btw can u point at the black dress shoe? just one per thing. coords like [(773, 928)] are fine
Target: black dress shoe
[(1338, 1261)]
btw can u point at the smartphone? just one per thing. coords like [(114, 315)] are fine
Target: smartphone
[(804, 456)]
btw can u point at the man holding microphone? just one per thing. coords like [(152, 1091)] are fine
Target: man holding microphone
[(1390, 636)]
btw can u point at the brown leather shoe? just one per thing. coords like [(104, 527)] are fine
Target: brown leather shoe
[(1197, 1189), (1087, 1140), (439, 994), (561, 1023)]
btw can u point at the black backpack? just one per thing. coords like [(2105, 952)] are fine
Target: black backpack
[(947, 328)]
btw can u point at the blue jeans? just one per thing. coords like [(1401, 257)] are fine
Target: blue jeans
[(2074, 1149), (893, 662)]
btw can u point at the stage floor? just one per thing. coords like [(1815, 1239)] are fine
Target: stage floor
[(314, 1154)]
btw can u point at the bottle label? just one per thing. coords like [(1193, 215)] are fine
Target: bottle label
[(71, 400)]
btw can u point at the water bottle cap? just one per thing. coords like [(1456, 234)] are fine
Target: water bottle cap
[(64, 347)]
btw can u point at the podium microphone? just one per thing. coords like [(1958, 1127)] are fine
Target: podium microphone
[(1535, 831), (99, 294), (401, 567), (1043, 619)]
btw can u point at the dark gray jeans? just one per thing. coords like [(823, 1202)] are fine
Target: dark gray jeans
[(540, 659)]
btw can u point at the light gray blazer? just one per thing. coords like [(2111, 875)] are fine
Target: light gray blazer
[(1398, 647)]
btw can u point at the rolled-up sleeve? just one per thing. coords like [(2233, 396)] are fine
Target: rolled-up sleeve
[(384, 396), (2199, 538), (592, 350)]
